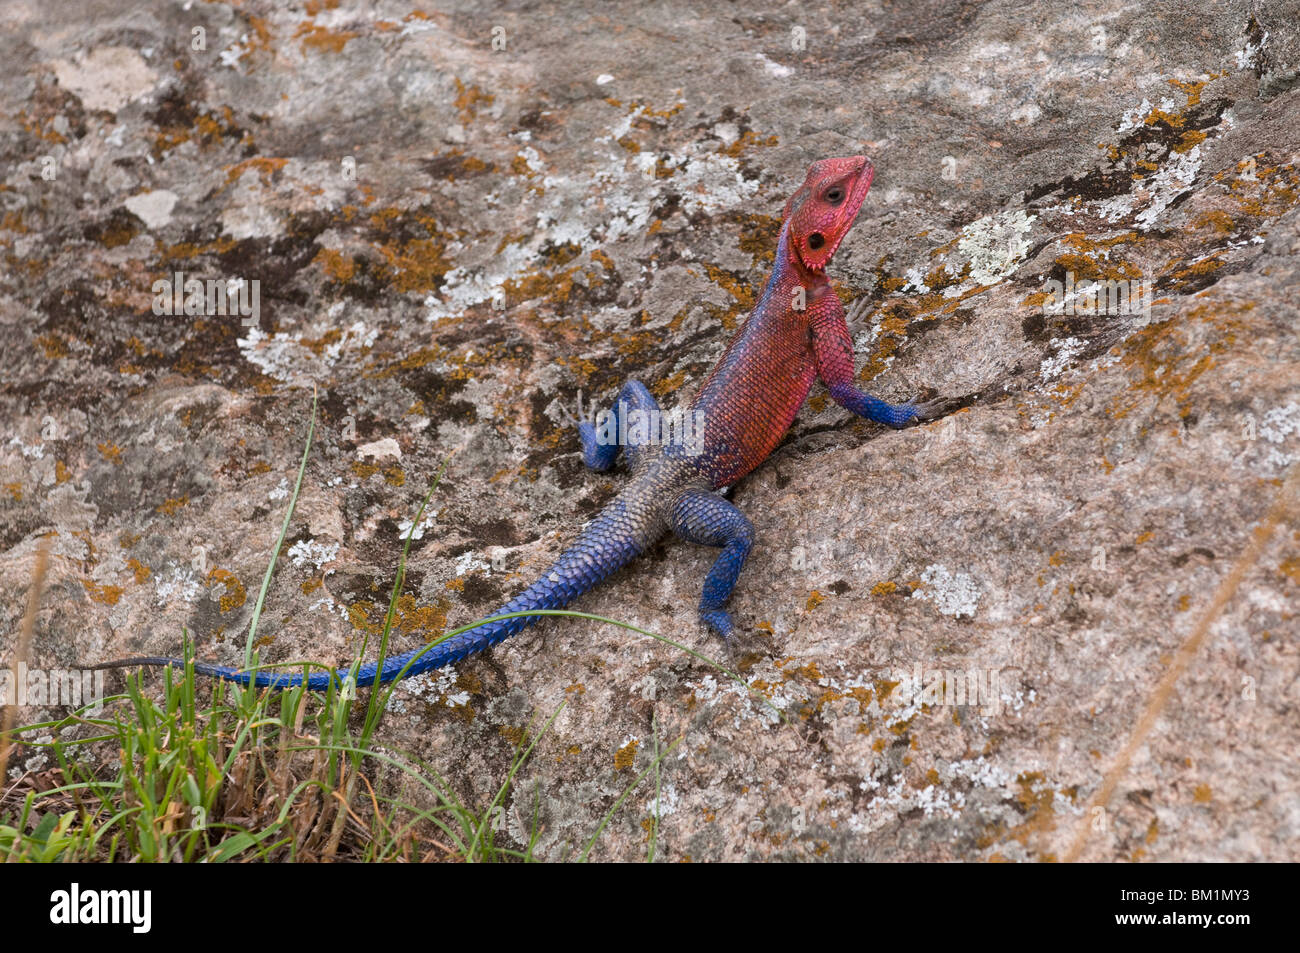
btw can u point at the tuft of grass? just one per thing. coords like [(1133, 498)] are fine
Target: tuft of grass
[(214, 772), (280, 778), (23, 649)]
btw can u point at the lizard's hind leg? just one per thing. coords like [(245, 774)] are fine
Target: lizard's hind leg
[(633, 423), (699, 516)]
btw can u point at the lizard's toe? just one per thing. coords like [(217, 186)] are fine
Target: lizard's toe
[(921, 411), (718, 621)]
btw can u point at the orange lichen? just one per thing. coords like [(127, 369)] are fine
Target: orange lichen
[(748, 139), (740, 288), (1165, 366), (1265, 191), (1216, 219), (207, 130), (1190, 139), (554, 289), (469, 99), (427, 621), (111, 452), (338, 266), (139, 570), (671, 384), (625, 756), (53, 346), (415, 264), (261, 34), (512, 733), (1090, 259), (323, 39), (41, 127), (106, 594), (758, 237), (1038, 805), (235, 595), (264, 166), (171, 506), (182, 251)]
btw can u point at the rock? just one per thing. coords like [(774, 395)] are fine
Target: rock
[(1081, 245), (380, 449), (153, 208), (107, 77)]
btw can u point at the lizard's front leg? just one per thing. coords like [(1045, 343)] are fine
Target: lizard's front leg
[(699, 516), (833, 349)]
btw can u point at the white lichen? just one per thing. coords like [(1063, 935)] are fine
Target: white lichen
[(954, 594), (179, 584), (996, 245), (309, 552), (1067, 349)]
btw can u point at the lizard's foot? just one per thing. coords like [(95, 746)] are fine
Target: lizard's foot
[(912, 413), (924, 411), (718, 621), (595, 455), (873, 408), (601, 446)]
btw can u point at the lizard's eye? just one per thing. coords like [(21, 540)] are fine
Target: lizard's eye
[(816, 240), (835, 195)]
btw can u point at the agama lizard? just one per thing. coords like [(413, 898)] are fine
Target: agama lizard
[(795, 334)]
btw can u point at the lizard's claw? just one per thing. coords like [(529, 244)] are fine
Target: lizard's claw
[(581, 417), (720, 625), (587, 416), (917, 412), (718, 621)]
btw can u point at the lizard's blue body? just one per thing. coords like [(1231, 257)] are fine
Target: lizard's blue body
[(795, 334)]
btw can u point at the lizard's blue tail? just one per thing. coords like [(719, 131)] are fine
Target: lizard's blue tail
[(618, 535)]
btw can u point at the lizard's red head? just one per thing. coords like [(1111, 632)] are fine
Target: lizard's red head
[(821, 213)]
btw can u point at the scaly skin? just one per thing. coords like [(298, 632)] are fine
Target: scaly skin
[(795, 335)]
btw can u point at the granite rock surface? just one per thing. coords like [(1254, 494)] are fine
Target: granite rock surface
[(450, 219)]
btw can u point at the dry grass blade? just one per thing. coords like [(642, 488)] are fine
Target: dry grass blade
[(23, 648), (1282, 505)]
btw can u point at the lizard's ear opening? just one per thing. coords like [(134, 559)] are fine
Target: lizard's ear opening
[(795, 201)]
